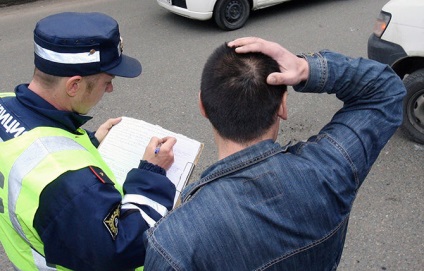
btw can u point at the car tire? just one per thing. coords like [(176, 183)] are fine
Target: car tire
[(413, 106), (231, 14)]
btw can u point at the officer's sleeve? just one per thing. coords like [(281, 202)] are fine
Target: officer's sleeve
[(85, 224), (152, 197), (93, 138)]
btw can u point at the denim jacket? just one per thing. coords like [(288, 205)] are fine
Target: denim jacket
[(269, 207)]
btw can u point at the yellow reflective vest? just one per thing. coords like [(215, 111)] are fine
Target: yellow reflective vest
[(28, 163)]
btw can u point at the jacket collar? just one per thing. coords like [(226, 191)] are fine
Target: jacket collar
[(69, 121), (233, 163)]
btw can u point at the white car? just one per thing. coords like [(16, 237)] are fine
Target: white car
[(228, 14), (398, 40)]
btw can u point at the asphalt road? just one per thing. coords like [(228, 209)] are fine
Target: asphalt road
[(386, 229)]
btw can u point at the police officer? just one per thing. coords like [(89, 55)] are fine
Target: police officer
[(60, 208)]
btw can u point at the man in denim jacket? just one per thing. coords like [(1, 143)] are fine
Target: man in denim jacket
[(267, 207)]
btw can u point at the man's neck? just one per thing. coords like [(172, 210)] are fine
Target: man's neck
[(228, 147)]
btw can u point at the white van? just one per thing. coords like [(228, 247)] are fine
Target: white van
[(398, 40)]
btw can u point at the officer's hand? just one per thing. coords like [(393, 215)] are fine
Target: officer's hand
[(160, 152), (293, 69), (105, 127)]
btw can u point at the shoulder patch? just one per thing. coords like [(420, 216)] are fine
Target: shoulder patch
[(111, 221), (101, 175)]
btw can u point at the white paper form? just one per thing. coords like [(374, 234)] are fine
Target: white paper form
[(124, 146)]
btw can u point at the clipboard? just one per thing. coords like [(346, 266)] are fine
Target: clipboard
[(124, 146)]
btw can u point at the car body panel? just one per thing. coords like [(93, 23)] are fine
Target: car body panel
[(398, 40), (259, 4), (198, 10), (203, 9), (406, 25)]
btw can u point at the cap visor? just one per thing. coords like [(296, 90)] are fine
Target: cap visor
[(129, 67)]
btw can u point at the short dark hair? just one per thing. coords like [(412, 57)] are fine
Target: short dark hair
[(237, 100)]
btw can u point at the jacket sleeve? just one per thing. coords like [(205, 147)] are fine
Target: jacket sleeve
[(153, 197), (85, 223), (155, 260), (93, 138), (372, 96)]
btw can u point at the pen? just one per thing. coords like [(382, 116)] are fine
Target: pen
[(157, 149)]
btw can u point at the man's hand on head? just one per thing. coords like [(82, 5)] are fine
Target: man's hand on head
[(293, 68)]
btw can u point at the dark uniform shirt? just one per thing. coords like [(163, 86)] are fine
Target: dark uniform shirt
[(72, 209)]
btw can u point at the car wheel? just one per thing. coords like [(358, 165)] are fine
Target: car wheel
[(413, 106), (231, 14)]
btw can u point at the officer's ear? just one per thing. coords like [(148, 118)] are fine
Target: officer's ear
[(73, 85)]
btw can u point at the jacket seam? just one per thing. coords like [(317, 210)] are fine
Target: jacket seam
[(304, 248), (232, 169), (346, 156), (157, 247)]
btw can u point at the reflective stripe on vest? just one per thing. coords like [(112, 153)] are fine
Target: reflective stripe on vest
[(25, 164), (40, 262)]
